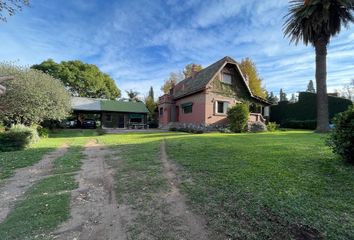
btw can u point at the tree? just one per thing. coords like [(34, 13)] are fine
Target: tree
[(272, 98), (170, 82), (249, 70), (151, 93), (238, 116), (81, 79), (348, 91), (32, 97), (11, 7), (310, 87), (315, 22), (133, 96), (190, 69), (282, 96), (293, 98)]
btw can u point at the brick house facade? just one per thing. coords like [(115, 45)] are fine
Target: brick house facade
[(204, 98)]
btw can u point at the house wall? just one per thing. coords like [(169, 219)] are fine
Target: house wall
[(197, 116)]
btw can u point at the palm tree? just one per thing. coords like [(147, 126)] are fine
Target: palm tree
[(133, 96), (315, 22)]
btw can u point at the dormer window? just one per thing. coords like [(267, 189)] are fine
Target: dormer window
[(226, 78)]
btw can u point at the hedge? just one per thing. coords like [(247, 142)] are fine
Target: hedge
[(18, 137), (286, 113)]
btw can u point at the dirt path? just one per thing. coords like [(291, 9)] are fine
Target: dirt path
[(193, 225), (13, 188), (94, 211)]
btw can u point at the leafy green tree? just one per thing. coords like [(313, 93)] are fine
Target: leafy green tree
[(32, 97), (238, 116), (315, 22), (190, 69), (310, 87), (170, 82), (282, 96), (11, 7), (81, 79), (133, 96), (249, 70)]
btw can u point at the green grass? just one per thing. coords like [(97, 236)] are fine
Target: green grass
[(10, 161), (47, 203), (279, 185)]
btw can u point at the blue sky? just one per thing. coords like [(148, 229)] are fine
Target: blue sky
[(139, 42)]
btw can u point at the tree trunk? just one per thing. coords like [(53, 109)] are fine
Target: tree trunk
[(321, 84)]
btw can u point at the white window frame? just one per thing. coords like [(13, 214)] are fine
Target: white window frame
[(225, 107), (223, 78)]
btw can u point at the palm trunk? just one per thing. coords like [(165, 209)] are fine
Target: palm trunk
[(321, 84)]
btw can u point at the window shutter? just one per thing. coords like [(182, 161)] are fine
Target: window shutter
[(215, 107)]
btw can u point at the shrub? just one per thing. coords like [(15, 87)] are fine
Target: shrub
[(42, 132), (272, 126), (238, 116), (257, 127), (301, 124), (341, 139), (18, 137)]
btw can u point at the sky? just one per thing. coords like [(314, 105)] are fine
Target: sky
[(139, 42)]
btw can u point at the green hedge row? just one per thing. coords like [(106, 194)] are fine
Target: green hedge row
[(304, 110)]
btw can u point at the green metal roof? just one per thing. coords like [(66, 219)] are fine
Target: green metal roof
[(118, 106)]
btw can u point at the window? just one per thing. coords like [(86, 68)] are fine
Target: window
[(187, 107), (108, 118), (161, 111), (226, 78), (221, 107)]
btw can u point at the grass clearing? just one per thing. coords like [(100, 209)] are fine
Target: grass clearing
[(279, 185)]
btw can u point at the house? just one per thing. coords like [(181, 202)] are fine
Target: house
[(111, 113), (203, 99)]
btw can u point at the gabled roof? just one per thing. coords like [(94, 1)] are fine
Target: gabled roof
[(95, 104), (85, 104), (119, 106), (199, 81)]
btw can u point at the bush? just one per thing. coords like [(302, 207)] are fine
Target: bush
[(341, 139), (301, 124), (18, 137), (272, 126), (238, 116), (257, 127), (42, 132)]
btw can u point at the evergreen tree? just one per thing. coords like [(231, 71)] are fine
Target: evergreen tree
[(293, 98), (272, 98), (151, 93), (282, 96), (310, 87)]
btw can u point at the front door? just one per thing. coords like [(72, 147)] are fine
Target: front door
[(121, 121)]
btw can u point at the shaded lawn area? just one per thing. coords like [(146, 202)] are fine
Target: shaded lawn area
[(281, 185)]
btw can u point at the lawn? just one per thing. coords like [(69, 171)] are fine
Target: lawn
[(282, 185)]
